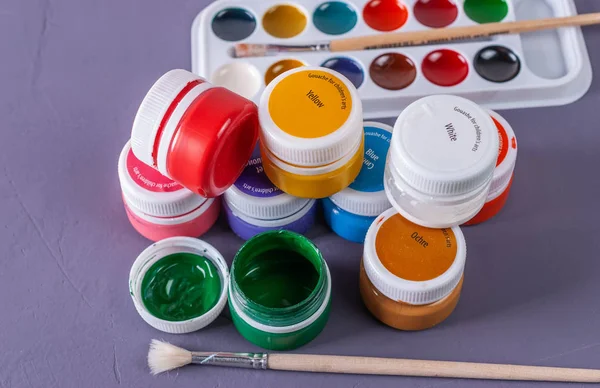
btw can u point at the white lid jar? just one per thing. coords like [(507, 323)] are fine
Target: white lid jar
[(503, 173), (311, 134), (441, 161), (411, 276), (254, 205), (350, 212), (158, 207)]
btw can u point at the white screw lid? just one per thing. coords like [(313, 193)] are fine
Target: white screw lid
[(310, 117), (444, 145), (160, 250), (507, 157), (409, 291), (272, 208), (153, 109), (362, 203), (255, 196), (366, 195), (146, 190)]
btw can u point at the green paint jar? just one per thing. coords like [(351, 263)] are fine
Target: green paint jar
[(179, 285), (280, 290)]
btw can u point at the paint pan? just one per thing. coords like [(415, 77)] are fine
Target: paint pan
[(507, 72)]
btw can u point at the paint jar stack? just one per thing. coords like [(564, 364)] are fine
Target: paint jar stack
[(439, 170), (401, 191)]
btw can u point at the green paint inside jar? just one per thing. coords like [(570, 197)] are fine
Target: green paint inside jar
[(280, 280), (181, 286)]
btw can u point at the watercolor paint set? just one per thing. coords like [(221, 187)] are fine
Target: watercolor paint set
[(511, 71)]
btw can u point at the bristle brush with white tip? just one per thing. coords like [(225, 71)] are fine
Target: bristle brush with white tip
[(417, 38), (164, 357)]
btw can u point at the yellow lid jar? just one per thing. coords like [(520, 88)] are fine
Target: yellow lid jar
[(311, 132)]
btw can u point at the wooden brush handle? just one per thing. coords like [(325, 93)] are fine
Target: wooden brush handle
[(443, 35), (399, 367)]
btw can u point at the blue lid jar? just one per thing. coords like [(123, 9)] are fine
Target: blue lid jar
[(255, 205), (351, 212)]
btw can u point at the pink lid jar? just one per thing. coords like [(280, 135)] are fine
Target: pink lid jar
[(160, 208)]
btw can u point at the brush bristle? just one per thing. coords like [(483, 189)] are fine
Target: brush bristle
[(244, 50), (163, 357)]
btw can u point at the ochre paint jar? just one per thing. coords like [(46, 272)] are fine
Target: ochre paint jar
[(351, 212), (194, 133), (503, 174), (411, 276), (441, 162), (179, 285), (158, 207), (280, 290), (311, 132), (254, 205)]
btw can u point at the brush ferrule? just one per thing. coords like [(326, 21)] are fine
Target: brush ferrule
[(324, 46), (237, 360)]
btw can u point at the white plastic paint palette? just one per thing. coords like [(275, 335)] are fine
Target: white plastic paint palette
[(512, 71)]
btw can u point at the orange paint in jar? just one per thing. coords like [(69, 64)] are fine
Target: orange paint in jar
[(503, 174), (411, 276)]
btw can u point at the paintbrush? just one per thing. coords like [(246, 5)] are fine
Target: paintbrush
[(416, 38), (164, 357)]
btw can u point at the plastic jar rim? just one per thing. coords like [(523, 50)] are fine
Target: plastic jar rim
[(312, 171), (448, 199), (176, 220), (284, 317), (272, 223), (276, 207), (160, 250)]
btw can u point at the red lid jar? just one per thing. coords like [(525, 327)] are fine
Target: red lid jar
[(194, 133), (503, 174)]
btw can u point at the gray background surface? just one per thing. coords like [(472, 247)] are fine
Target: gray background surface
[(72, 75)]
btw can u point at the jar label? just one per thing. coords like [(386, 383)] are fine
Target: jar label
[(310, 104), (377, 144), (446, 135), (148, 178), (254, 181), (413, 252), (505, 144)]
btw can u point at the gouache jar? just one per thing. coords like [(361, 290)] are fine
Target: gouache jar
[(441, 161), (311, 132), (280, 290), (179, 285), (158, 207), (411, 276), (194, 133), (254, 205), (503, 174), (351, 212)]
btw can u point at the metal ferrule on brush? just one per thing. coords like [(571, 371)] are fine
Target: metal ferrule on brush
[(276, 48), (236, 360), (245, 50)]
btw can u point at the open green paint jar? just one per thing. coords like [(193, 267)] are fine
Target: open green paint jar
[(179, 285), (280, 290)]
